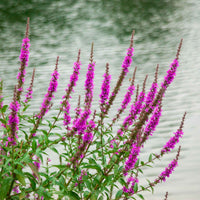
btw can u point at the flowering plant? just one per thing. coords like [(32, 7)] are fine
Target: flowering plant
[(99, 160)]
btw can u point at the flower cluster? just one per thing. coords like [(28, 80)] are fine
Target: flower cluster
[(153, 122), (132, 159), (131, 181), (105, 88), (24, 59), (89, 85), (49, 95), (171, 73), (128, 60)]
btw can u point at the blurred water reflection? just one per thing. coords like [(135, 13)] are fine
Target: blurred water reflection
[(62, 27)]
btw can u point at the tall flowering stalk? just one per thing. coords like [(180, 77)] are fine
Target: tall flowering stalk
[(125, 66), (89, 85), (49, 95), (65, 105), (24, 58), (46, 104), (126, 100)]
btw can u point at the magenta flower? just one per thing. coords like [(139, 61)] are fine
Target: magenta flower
[(105, 88), (151, 95), (74, 77), (88, 136), (67, 118), (172, 141), (24, 58), (127, 60), (13, 121), (134, 111), (153, 122), (168, 170), (65, 102), (171, 73), (130, 181), (127, 97), (49, 95), (132, 159), (89, 85), (80, 124)]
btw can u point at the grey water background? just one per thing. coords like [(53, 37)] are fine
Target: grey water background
[(62, 27)]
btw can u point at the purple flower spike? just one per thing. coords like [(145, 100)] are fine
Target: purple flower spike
[(153, 122), (80, 124), (151, 95), (168, 170), (74, 77), (105, 88), (127, 60), (67, 118), (127, 97), (13, 121), (131, 181), (172, 141), (24, 58), (89, 85), (171, 73), (88, 136), (49, 95), (175, 139), (135, 110), (132, 159)]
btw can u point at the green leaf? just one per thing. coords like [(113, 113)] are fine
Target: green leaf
[(122, 181), (142, 163), (137, 163), (34, 145), (141, 196), (119, 194), (73, 195), (97, 167), (100, 198), (150, 157), (135, 187), (54, 149), (3, 110), (5, 186)]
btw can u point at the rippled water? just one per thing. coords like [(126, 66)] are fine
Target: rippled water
[(62, 27)]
